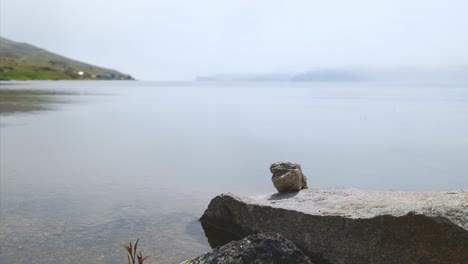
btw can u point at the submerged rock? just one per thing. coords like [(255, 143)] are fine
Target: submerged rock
[(258, 248), (288, 177), (354, 226)]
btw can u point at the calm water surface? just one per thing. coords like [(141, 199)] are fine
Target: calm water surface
[(108, 162)]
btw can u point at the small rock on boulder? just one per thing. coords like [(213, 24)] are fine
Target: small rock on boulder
[(288, 177), (258, 248)]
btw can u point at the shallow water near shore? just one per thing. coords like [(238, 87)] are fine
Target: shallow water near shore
[(85, 166)]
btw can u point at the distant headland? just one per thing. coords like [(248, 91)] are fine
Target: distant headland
[(457, 73), (21, 61)]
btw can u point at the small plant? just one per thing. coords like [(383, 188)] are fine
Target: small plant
[(132, 253)]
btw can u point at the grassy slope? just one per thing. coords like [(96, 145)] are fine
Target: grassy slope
[(20, 61)]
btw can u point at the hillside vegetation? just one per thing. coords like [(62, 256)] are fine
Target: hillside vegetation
[(21, 61)]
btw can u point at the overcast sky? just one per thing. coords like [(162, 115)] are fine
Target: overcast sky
[(178, 40)]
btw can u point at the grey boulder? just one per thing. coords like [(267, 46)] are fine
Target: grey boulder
[(288, 177), (344, 226), (256, 249)]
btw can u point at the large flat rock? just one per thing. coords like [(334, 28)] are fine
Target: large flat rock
[(354, 226)]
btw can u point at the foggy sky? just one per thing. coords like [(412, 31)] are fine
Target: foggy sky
[(178, 40)]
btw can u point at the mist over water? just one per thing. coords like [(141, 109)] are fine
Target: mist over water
[(114, 161), (179, 40), (371, 95)]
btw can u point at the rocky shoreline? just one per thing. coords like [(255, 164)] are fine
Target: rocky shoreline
[(349, 225)]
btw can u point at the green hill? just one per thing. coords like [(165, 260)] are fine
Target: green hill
[(21, 61)]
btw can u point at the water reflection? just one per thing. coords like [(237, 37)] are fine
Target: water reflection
[(20, 100)]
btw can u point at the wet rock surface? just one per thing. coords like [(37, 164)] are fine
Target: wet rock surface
[(354, 226), (257, 248), (288, 177)]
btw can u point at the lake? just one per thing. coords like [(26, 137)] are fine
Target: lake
[(85, 166)]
